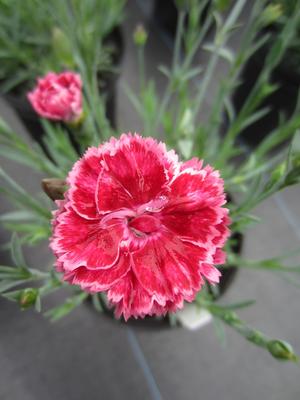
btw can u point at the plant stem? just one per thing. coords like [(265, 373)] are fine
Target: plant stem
[(277, 348), (141, 67)]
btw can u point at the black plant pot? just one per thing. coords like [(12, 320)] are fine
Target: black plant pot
[(165, 15), (229, 273), (108, 81), (107, 87), (283, 100)]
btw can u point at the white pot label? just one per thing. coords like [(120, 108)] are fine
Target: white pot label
[(192, 317)]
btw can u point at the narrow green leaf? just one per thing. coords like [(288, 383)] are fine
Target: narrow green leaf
[(239, 305), (164, 70), (6, 285), (135, 101), (96, 302), (38, 304), (16, 252), (220, 331), (224, 52), (69, 305), (16, 216), (22, 197)]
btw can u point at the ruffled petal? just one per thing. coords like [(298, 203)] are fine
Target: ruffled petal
[(183, 259), (136, 164), (198, 226), (211, 273), (194, 163), (79, 242), (148, 267), (132, 300), (166, 267), (192, 190), (223, 230), (219, 257), (100, 279), (111, 195), (83, 181)]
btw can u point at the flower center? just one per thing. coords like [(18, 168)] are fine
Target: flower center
[(144, 224)]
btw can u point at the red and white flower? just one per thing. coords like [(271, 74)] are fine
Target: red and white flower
[(58, 96), (141, 226)]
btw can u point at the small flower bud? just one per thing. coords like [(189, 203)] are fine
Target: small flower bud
[(183, 4), (221, 5), (279, 172), (140, 35), (54, 188), (271, 14), (281, 350), (77, 122), (62, 48), (28, 298)]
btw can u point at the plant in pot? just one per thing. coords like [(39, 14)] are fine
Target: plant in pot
[(134, 224), (281, 99), (36, 38)]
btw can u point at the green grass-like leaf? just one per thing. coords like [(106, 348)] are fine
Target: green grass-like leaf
[(69, 305)]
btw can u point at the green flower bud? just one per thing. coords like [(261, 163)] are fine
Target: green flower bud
[(76, 123), (28, 298), (279, 172), (140, 35), (183, 4), (222, 5), (62, 48), (271, 14), (281, 350)]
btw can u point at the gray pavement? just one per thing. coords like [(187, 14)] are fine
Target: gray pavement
[(87, 355)]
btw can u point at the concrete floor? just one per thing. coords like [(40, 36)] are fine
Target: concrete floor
[(87, 355)]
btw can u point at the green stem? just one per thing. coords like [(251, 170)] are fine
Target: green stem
[(178, 40), (203, 31), (277, 348), (141, 67), (175, 70), (220, 40)]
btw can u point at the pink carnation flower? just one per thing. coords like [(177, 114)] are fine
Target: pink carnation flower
[(58, 96), (141, 226)]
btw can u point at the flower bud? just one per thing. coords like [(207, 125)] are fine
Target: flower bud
[(221, 5), (271, 14), (54, 188), (62, 48), (28, 298), (140, 35), (183, 4), (281, 350)]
